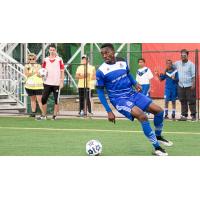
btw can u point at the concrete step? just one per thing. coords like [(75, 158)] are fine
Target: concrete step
[(5, 107), (3, 96), (8, 101)]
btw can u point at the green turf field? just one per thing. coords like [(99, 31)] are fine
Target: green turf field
[(25, 136)]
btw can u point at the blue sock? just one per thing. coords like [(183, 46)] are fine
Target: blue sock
[(149, 133), (166, 111), (173, 111), (158, 123)]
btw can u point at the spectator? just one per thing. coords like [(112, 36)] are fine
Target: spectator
[(186, 85), (34, 83), (85, 88), (144, 76), (53, 82), (171, 83)]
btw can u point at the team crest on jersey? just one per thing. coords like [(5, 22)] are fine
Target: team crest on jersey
[(108, 68), (129, 103)]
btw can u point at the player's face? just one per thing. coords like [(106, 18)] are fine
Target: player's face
[(169, 65), (141, 63), (184, 56), (108, 55), (84, 61), (32, 59), (52, 51)]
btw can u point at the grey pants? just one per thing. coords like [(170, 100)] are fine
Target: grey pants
[(187, 97)]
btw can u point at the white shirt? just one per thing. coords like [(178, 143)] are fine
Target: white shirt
[(144, 75)]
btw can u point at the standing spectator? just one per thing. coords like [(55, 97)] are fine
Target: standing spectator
[(54, 80), (34, 83), (171, 83), (186, 85), (144, 76), (81, 76)]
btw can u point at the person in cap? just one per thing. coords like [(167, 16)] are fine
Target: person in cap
[(85, 84)]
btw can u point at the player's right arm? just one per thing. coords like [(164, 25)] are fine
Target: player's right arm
[(101, 94)]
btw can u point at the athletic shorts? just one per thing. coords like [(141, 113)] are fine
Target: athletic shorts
[(125, 104), (31, 92), (170, 94), (48, 89)]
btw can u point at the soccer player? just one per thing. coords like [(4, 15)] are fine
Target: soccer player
[(114, 75), (171, 84), (144, 76), (54, 80)]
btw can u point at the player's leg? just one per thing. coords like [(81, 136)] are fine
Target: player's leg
[(39, 100), (158, 113), (45, 96), (56, 105), (33, 105), (89, 101), (184, 104), (173, 109), (191, 98), (166, 109), (81, 101), (148, 132)]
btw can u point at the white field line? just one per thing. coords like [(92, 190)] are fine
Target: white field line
[(92, 130)]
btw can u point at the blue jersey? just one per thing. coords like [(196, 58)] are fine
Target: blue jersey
[(114, 77), (170, 83)]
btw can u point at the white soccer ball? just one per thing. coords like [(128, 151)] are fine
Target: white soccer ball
[(43, 72), (93, 148)]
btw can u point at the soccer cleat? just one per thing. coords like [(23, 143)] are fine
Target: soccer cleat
[(54, 117), (159, 151), (166, 117), (183, 118), (32, 115), (173, 116), (41, 118), (164, 141), (193, 119)]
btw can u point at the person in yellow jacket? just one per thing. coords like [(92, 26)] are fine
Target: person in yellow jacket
[(34, 83), (84, 87)]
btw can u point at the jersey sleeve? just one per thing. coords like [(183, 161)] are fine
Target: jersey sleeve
[(61, 64), (44, 64), (99, 79), (162, 76), (150, 75)]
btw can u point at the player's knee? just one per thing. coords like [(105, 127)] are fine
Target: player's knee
[(142, 117), (44, 100)]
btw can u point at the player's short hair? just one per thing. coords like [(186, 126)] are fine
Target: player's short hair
[(109, 45), (52, 45), (185, 51), (141, 59), (168, 60)]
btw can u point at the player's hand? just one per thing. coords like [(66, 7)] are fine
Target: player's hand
[(138, 87), (111, 117), (173, 77)]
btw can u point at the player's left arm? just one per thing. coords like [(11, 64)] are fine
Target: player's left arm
[(61, 74)]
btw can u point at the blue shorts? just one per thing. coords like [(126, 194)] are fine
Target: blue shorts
[(145, 89), (125, 104), (170, 94)]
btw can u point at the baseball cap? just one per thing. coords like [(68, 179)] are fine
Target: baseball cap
[(84, 56)]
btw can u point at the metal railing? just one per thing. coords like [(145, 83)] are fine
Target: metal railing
[(12, 82)]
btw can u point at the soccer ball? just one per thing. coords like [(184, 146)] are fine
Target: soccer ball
[(93, 148), (43, 72)]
